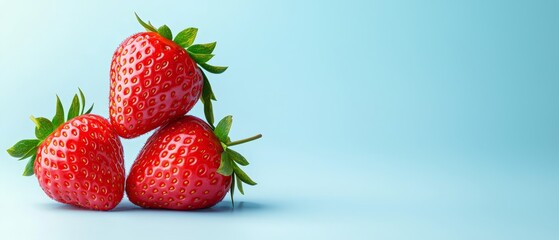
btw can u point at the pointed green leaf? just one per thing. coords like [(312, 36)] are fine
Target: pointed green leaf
[(225, 168), (165, 32), (22, 147), (74, 110), (206, 48), (208, 112), (206, 97), (223, 127), (148, 27), (201, 58), (237, 157), (186, 37), (213, 69), (232, 189), (208, 87), (59, 116), (242, 175), (43, 127), (82, 97), (89, 110), (240, 186), (29, 167), (29, 153)]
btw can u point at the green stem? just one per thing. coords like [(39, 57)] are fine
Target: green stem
[(244, 140), (34, 120)]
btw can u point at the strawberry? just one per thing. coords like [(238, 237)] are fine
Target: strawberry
[(78, 161), (186, 165), (155, 79)]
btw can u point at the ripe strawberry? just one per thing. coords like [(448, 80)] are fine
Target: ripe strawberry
[(155, 79), (186, 165), (78, 162)]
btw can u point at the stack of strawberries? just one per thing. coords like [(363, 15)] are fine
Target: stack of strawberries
[(155, 80)]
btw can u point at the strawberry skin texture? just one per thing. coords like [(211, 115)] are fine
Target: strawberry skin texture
[(153, 81), (81, 163), (177, 167)]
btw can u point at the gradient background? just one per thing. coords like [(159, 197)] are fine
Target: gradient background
[(381, 119)]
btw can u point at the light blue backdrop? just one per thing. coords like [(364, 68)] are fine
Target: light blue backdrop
[(381, 119)]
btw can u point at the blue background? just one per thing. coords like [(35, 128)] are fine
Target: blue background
[(381, 119)]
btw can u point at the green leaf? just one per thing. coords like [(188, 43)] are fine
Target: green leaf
[(30, 153), (226, 166), (208, 112), (82, 101), (237, 157), (240, 186), (89, 110), (208, 87), (201, 58), (207, 96), (22, 147), (43, 127), (232, 189), (223, 127), (148, 27), (74, 110), (205, 48), (165, 32), (29, 167), (59, 116), (242, 175), (186, 37), (213, 69)]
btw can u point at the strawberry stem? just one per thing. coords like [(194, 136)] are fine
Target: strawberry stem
[(244, 140)]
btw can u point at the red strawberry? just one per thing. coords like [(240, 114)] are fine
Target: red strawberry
[(155, 79), (78, 162), (185, 165)]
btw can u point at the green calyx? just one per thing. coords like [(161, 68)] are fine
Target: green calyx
[(27, 148), (230, 159), (200, 53)]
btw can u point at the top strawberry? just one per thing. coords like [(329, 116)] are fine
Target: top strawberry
[(155, 78)]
